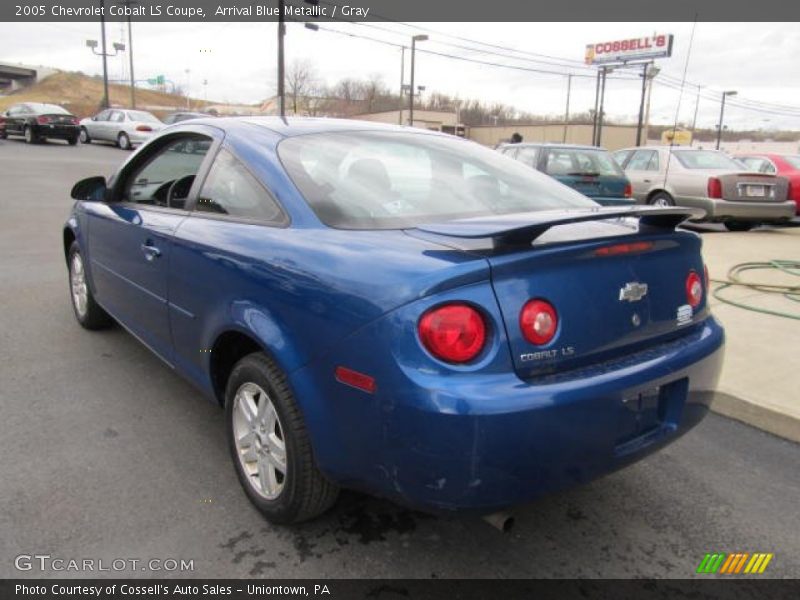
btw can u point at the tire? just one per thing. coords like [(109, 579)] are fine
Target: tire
[(84, 136), (123, 141), (738, 225), (30, 136), (255, 436), (88, 313), (73, 140), (3, 135), (661, 199)]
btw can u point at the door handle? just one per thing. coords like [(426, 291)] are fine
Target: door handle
[(150, 251), (647, 180)]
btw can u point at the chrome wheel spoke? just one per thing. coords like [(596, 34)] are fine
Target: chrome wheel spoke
[(258, 436)]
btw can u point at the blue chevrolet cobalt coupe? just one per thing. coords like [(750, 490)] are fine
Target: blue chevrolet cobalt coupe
[(397, 311)]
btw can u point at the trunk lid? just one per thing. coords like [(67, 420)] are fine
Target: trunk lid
[(753, 187), (616, 285)]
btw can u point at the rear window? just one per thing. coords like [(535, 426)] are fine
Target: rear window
[(52, 109), (580, 162), (793, 160), (391, 180), (706, 159), (140, 115)]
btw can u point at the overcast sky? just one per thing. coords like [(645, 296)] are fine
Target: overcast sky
[(760, 61)]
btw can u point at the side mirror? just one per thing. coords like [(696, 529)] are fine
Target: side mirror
[(91, 189)]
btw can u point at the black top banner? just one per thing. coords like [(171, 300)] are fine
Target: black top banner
[(405, 10)]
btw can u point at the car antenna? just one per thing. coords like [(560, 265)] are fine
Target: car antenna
[(680, 97)]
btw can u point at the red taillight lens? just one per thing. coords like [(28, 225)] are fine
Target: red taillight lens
[(694, 290), (75, 121), (617, 249), (454, 333), (43, 120), (144, 128), (538, 321), (628, 190), (714, 188)]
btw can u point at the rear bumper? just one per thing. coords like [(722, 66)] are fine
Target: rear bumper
[(486, 442), (721, 210), (61, 132)]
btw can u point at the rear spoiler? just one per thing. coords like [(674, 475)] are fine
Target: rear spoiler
[(522, 228)]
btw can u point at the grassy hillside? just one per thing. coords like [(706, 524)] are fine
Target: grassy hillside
[(82, 95)]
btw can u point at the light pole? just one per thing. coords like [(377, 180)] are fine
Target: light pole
[(566, 111), (128, 4), (414, 40), (117, 49), (722, 114)]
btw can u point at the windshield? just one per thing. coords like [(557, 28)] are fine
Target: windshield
[(391, 180), (793, 160), (581, 162), (140, 115), (707, 159)]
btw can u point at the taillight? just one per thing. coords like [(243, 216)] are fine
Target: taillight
[(454, 333), (628, 193), (627, 248), (43, 120), (75, 121), (714, 188), (538, 321), (694, 289), (144, 128)]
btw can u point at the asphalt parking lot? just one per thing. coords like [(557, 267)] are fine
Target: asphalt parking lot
[(107, 454)]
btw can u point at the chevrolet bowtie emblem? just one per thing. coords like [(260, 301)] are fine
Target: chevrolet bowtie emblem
[(633, 291)]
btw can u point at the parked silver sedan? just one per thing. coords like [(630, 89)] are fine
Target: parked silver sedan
[(706, 179), (125, 128)]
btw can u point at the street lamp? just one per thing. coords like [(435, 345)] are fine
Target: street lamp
[(118, 47), (649, 71), (129, 4), (414, 40), (722, 114)]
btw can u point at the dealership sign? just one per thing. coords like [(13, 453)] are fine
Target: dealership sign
[(658, 45)]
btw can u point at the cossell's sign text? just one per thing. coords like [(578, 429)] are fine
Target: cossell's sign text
[(658, 45)]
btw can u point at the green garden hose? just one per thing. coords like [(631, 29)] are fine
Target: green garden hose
[(791, 267)]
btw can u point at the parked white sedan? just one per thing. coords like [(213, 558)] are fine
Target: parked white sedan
[(707, 179), (125, 128)]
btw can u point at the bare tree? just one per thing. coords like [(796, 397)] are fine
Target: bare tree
[(301, 78)]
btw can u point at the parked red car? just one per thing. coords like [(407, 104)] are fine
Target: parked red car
[(786, 165)]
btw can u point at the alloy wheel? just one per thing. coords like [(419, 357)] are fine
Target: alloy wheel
[(80, 291), (258, 435)]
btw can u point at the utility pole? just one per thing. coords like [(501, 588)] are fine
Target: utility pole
[(281, 34), (402, 83), (641, 105), (722, 114), (414, 40), (106, 102), (696, 107), (596, 102), (128, 4), (605, 72), (566, 112)]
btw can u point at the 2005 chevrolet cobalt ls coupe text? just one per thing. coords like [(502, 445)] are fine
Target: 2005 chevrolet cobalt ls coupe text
[(397, 311)]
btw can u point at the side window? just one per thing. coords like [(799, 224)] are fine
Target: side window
[(231, 190), (558, 163), (528, 155), (621, 156), (644, 160), (103, 116), (509, 151), (117, 117), (166, 177)]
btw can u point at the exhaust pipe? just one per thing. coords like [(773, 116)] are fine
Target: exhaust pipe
[(501, 521)]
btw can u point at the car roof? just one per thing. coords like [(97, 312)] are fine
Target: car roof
[(553, 145), (293, 126)]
